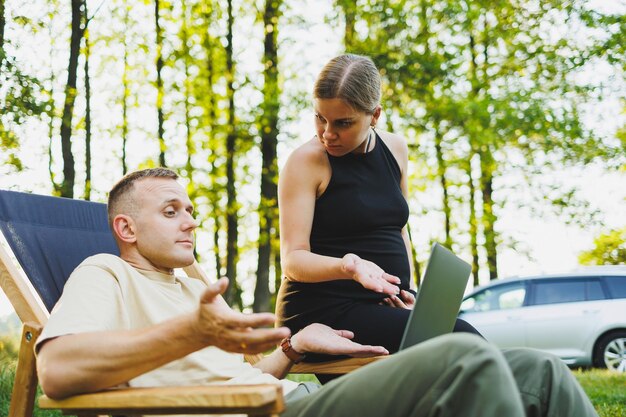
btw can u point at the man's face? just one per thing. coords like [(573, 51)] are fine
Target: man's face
[(164, 225)]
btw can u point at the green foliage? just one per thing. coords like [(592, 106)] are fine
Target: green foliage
[(610, 249), (21, 97), (7, 374), (503, 86), (8, 350), (491, 82)]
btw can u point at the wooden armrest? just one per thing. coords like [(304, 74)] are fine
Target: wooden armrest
[(262, 399), (341, 366)]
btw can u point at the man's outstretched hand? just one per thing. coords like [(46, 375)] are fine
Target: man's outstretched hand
[(319, 338), (219, 325)]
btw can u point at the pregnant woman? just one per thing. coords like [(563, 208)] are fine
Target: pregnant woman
[(343, 214)]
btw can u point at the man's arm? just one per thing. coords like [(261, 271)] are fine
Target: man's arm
[(317, 338), (89, 362)]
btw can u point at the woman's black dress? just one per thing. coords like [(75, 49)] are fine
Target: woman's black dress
[(362, 211)]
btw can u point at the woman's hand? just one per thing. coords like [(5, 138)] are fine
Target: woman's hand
[(405, 300), (370, 275)]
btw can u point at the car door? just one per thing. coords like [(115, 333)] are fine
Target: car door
[(494, 312), (562, 315)]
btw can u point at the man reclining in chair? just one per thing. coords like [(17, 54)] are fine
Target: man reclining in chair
[(130, 320)]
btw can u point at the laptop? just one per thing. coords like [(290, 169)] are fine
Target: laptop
[(439, 297)]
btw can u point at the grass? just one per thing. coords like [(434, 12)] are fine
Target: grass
[(607, 390), (7, 375)]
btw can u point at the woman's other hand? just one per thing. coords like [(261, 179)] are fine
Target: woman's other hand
[(405, 300)]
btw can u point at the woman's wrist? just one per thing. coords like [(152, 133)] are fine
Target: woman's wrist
[(348, 265)]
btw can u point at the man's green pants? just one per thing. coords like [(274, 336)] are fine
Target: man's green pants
[(453, 375)]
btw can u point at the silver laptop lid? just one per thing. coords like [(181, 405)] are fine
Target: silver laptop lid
[(439, 297)]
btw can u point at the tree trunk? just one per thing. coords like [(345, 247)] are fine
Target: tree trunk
[(211, 106), (417, 275), (125, 95), (348, 7), (473, 222), (489, 218), (52, 114), (159, 68), (87, 191), (441, 173), (278, 274), (188, 91), (69, 172), (2, 25), (269, 140), (232, 249)]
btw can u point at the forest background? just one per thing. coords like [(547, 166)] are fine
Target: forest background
[(513, 111)]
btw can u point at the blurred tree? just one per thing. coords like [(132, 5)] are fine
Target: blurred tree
[(69, 170), (233, 292), (610, 249), (211, 71), (87, 54), (159, 82), (53, 110), (485, 81), (21, 97), (268, 127)]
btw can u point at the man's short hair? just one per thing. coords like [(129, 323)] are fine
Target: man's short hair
[(120, 197)]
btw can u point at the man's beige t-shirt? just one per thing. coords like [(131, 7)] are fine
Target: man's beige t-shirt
[(106, 293)]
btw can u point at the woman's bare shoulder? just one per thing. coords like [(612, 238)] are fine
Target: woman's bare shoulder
[(396, 143), (309, 154)]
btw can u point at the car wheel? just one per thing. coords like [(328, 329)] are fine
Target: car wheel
[(610, 352)]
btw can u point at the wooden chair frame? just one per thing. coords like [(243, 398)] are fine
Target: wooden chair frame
[(254, 400)]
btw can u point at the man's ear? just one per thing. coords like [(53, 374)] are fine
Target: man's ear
[(124, 228)]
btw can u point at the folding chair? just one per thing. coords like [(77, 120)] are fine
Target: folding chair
[(49, 237)]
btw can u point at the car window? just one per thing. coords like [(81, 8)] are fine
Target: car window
[(497, 298), (551, 292), (617, 286), (594, 290)]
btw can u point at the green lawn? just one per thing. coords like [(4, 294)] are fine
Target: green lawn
[(607, 390)]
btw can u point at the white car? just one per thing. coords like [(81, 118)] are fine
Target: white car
[(580, 317)]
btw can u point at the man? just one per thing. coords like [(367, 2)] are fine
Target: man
[(130, 320)]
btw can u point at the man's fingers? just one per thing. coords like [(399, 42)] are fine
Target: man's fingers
[(213, 290), (237, 320), (254, 340)]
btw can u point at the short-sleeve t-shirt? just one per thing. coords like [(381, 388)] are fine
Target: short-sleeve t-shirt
[(105, 293)]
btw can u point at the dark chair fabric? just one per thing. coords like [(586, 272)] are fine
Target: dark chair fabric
[(50, 236)]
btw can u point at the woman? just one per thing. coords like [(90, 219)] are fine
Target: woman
[(343, 214)]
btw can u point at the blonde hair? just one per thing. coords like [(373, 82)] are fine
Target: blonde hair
[(351, 78), (120, 198)]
